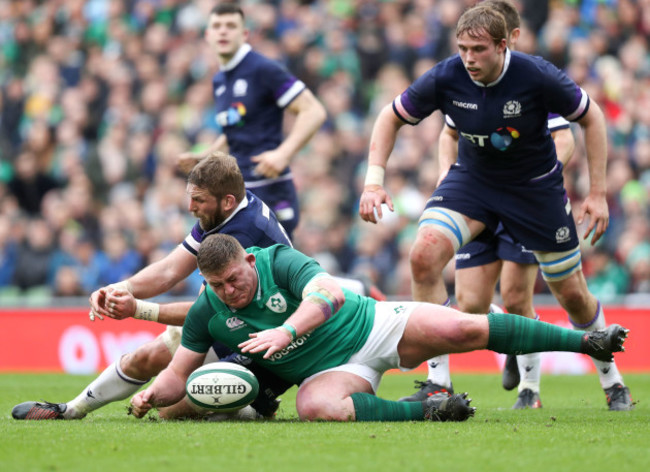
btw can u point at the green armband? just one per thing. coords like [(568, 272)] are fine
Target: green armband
[(290, 329)]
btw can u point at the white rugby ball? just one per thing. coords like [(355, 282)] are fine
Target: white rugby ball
[(222, 386)]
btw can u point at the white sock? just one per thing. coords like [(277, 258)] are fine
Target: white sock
[(607, 371), (530, 371), (111, 385), (439, 367)]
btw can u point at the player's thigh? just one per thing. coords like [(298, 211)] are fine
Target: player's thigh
[(433, 330), (475, 286)]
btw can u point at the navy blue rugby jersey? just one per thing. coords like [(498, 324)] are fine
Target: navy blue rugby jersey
[(251, 92), (252, 224), (503, 127)]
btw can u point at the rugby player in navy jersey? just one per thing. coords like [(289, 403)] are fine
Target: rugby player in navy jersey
[(507, 170), (496, 257), (251, 93)]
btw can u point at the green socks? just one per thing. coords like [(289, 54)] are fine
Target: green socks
[(514, 334), (371, 408)]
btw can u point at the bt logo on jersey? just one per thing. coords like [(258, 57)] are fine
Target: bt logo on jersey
[(502, 138)]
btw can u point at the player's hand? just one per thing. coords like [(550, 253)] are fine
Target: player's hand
[(141, 403), (120, 304), (270, 164), (596, 208), (187, 161), (269, 340), (370, 203), (113, 301)]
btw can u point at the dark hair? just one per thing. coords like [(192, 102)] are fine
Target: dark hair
[(509, 12), (226, 8), (481, 19), (220, 175), (216, 252)]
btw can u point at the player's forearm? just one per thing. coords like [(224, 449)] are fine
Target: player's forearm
[(447, 149), (382, 139), (564, 145), (322, 299), (162, 275), (167, 389), (173, 313), (596, 146), (307, 122)]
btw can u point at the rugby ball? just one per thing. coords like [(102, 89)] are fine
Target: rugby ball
[(222, 386)]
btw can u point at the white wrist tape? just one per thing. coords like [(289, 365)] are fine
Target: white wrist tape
[(146, 310), (375, 175)]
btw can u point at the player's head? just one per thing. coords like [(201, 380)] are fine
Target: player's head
[(228, 269), (511, 15), (481, 38), (226, 31), (215, 187)]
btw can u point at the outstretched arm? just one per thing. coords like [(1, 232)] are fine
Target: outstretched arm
[(169, 386), (382, 141), (118, 301)]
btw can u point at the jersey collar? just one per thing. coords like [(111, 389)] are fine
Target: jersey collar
[(237, 58), (506, 64)]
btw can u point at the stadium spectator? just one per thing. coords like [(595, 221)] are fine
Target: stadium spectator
[(124, 47)]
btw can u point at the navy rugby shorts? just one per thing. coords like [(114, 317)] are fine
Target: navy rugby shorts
[(537, 213)]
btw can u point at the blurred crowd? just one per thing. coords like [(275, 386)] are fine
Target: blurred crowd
[(99, 97)]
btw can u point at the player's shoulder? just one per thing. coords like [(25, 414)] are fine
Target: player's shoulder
[(256, 60), (532, 64)]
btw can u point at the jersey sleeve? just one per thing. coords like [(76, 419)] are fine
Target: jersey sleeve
[(193, 240), (419, 100), (196, 334), (562, 95), (556, 122), (284, 86), (293, 270)]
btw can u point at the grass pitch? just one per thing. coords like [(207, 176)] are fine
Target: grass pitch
[(573, 432)]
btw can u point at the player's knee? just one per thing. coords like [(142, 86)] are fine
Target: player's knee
[(321, 408), (517, 301), (146, 361), (470, 303), (428, 256)]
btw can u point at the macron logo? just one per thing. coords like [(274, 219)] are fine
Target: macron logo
[(465, 105)]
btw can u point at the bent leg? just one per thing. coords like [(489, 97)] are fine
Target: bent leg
[(475, 287)]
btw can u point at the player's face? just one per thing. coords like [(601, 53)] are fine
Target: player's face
[(236, 285), (205, 207), (482, 58), (226, 33)]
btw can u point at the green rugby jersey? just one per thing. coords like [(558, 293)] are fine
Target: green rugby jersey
[(283, 273)]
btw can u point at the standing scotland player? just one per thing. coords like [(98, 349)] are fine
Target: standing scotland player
[(251, 93), (493, 257), (507, 169)]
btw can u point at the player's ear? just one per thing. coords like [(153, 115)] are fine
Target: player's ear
[(229, 202), (250, 258), (514, 36)]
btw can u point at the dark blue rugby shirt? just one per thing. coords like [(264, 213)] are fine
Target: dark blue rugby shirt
[(252, 224), (251, 92), (503, 127)]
